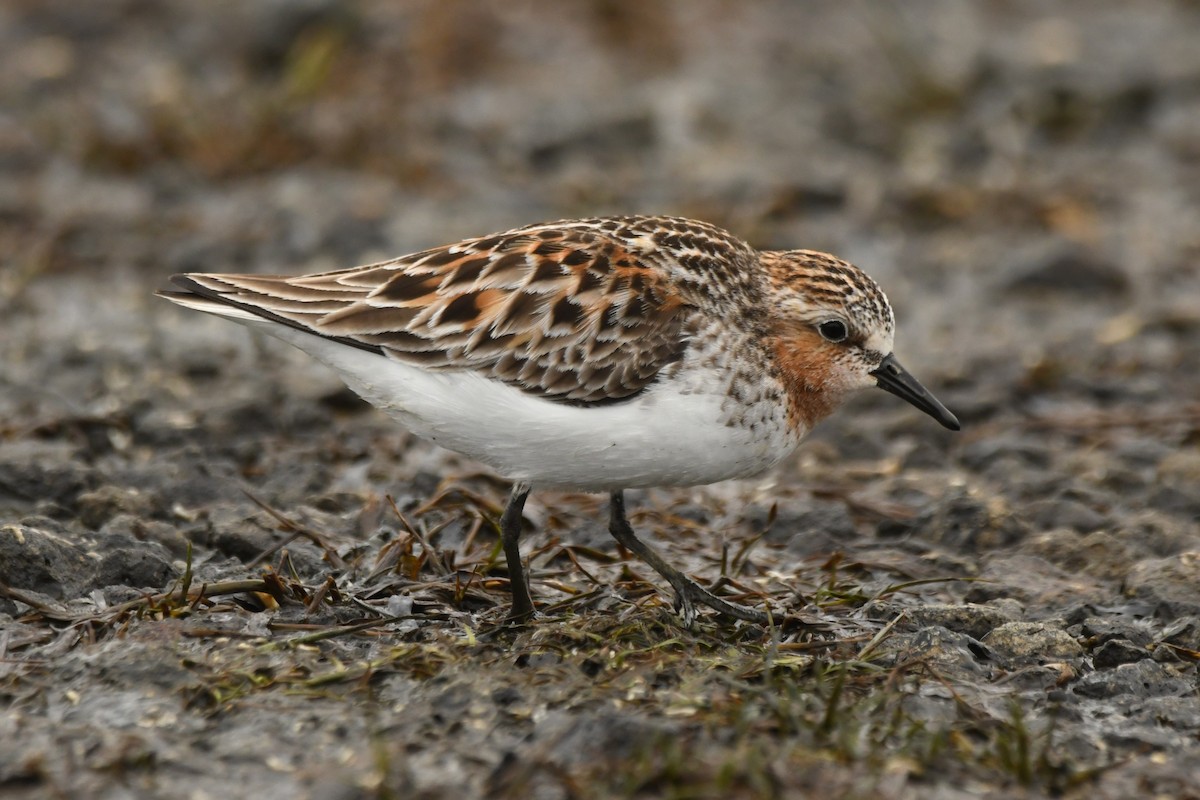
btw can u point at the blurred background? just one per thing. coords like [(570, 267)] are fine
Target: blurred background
[(1021, 176), (965, 150)]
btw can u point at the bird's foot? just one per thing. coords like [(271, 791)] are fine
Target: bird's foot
[(522, 607), (688, 593)]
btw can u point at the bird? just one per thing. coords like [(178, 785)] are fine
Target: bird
[(599, 354)]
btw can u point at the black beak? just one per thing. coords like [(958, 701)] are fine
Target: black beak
[(891, 377)]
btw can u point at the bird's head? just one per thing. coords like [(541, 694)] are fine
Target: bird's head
[(834, 334)]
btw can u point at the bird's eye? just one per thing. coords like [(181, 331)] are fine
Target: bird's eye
[(834, 330)]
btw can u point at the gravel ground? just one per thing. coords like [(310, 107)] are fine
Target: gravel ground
[(223, 575)]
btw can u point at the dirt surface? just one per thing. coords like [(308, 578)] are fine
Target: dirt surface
[(222, 575)]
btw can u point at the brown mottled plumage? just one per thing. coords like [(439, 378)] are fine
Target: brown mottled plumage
[(598, 353)]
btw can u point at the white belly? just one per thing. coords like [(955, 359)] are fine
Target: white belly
[(663, 437)]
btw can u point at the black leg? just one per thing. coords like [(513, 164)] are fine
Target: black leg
[(510, 536), (687, 591)]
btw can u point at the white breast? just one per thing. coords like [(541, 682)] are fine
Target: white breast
[(680, 432)]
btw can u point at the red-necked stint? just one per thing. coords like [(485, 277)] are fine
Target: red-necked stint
[(595, 354)]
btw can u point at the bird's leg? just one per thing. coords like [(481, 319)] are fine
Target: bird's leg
[(687, 591), (510, 536)]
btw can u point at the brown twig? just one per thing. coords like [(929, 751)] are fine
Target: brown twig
[(331, 555)]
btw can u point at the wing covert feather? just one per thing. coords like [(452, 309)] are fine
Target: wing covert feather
[(566, 313)]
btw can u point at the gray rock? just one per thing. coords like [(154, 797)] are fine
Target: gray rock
[(1169, 582), (1184, 632), (974, 619), (1099, 630), (148, 530), (100, 505), (1033, 642), (955, 655), (1179, 713), (42, 560), (139, 567), (822, 528), (1144, 678), (1118, 651)]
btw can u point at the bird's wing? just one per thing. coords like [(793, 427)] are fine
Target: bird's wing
[(561, 312)]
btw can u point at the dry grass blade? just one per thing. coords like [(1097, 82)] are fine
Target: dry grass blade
[(44, 606), (343, 630), (569, 552), (164, 601), (877, 640), (433, 557), (298, 530)]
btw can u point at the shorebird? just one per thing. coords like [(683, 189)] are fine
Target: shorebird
[(595, 354)]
